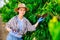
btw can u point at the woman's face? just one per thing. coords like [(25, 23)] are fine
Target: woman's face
[(22, 11)]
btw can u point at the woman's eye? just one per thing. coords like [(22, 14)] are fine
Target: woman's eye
[(22, 10)]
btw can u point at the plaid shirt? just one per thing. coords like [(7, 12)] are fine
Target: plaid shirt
[(27, 26)]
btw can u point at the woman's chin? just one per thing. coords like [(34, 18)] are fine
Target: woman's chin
[(21, 14)]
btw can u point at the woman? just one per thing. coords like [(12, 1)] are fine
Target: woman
[(19, 25)]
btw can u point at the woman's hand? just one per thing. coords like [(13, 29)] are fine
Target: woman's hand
[(40, 19), (8, 29), (15, 30)]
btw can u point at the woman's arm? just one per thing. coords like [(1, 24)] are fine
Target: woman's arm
[(9, 25), (39, 20), (31, 27), (36, 24)]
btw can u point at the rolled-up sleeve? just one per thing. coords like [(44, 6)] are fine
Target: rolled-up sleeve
[(9, 23), (30, 27)]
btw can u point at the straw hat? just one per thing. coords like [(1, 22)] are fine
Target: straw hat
[(21, 5)]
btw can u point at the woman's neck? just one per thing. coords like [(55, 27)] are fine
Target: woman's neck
[(20, 17)]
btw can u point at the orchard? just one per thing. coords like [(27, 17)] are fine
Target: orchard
[(48, 29)]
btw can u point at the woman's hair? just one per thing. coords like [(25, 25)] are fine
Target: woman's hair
[(16, 9)]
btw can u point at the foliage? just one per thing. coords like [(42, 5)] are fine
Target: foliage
[(36, 9), (54, 28)]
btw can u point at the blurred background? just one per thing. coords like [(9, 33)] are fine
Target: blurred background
[(49, 29)]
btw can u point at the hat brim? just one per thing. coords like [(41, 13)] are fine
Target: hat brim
[(16, 9), (23, 7)]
